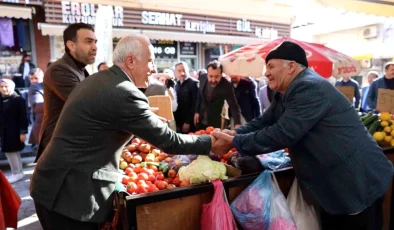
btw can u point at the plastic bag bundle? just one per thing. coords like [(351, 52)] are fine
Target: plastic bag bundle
[(217, 214), (262, 206)]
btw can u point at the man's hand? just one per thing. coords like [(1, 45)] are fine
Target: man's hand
[(223, 143), (229, 132), (185, 128), (196, 118), (22, 137), (154, 109)]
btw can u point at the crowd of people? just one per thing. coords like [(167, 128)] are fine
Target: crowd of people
[(86, 120)]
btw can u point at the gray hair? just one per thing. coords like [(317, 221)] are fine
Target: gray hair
[(184, 66), (128, 45), (286, 63)]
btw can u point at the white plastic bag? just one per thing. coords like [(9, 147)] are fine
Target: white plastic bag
[(305, 215)]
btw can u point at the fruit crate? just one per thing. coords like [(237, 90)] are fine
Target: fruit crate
[(180, 208)]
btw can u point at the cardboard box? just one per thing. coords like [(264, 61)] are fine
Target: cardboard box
[(164, 105), (385, 101)]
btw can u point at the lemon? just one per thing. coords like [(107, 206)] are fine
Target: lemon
[(392, 133), (388, 129), (388, 139), (392, 143), (378, 136), (385, 116), (384, 124), (392, 127)]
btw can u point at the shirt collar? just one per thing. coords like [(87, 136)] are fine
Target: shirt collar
[(127, 76)]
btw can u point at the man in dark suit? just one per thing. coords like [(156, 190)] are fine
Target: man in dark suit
[(214, 90), (246, 93), (186, 90), (338, 164), (62, 76), (75, 178)]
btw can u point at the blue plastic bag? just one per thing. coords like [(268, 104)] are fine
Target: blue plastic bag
[(275, 160), (262, 206)]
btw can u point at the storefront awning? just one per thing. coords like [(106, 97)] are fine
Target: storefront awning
[(57, 30), (15, 12), (204, 38)]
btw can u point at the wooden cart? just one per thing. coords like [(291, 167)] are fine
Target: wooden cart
[(180, 208)]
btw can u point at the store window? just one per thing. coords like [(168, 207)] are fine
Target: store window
[(188, 53), (14, 42), (166, 54)]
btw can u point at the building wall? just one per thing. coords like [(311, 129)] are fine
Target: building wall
[(43, 52)]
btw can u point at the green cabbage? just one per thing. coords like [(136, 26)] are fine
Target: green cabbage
[(203, 169)]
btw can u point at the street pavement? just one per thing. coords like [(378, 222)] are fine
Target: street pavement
[(27, 218)]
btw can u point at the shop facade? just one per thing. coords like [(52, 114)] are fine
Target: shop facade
[(17, 33), (176, 36)]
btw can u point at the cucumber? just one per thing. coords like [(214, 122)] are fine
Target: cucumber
[(374, 127), (366, 116), (370, 120)]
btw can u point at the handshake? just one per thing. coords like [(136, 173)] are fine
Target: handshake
[(222, 141)]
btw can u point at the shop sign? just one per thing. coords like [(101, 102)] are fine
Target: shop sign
[(165, 48), (74, 12), (243, 26), (15, 1), (163, 19), (201, 26), (188, 48), (266, 33)]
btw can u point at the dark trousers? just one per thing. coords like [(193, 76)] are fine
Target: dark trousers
[(369, 219), (51, 220)]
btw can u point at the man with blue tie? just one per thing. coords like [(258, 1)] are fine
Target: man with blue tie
[(372, 75)]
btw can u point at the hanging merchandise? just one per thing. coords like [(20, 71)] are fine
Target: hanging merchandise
[(6, 32), (20, 29)]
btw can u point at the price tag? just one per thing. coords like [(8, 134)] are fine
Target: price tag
[(348, 91), (385, 101)]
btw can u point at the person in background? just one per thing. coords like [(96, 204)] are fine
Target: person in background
[(214, 90), (186, 90), (36, 101), (246, 94), (193, 74), (338, 165), (200, 73), (102, 66), (372, 75), (63, 75), (266, 96), (385, 82), (24, 69), (168, 79), (13, 127), (74, 182), (348, 81)]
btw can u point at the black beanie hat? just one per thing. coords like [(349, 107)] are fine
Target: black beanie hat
[(288, 51)]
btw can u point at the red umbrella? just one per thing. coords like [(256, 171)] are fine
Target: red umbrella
[(249, 60)]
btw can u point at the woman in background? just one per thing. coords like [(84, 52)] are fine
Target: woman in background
[(13, 127), (36, 101)]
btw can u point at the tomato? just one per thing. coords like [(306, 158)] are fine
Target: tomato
[(176, 181), (143, 176), (147, 171), (171, 186), (133, 177), (137, 168), (162, 185), (233, 150), (209, 129), (152, 178), (185, 183), (131, 187), (136, 141), (154, 168), (172, 173), (168, 180), (131, 165), (128, 170), (125, 180), (160, 176), (142, 189), (152, 188)]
